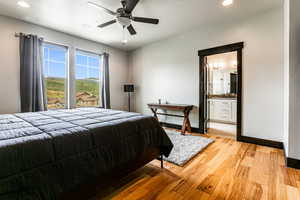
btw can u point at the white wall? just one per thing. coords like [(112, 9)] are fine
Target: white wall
[(169, 69), (293, 66), (286, 75), (10, 67)]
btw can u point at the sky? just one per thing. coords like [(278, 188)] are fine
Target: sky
[(55, 63)]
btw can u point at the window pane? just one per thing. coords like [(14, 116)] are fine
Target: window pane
[(45, 68), (57, 70), (81, 72), (57, 55), (94, 62), (46, 52), (94, 74), (55, 65), (87, 79), (81, 60)]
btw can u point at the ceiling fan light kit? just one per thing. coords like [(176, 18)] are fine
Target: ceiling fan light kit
[(124, 17), (123, 20)]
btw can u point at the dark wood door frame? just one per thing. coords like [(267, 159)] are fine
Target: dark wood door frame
[(238, 47)]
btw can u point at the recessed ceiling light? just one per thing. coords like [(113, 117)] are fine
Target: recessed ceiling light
[(23, 4), (227, 2)]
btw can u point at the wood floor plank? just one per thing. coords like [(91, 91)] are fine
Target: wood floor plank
[(226, 170), (292, 193)]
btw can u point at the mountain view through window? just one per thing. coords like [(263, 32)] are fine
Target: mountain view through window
[(55, 67), (88, 82)]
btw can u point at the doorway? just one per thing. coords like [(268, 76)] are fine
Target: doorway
[(220, 102)]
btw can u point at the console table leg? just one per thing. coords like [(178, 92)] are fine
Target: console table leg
[(184, 126), (189, 128), (186, 123), (154, 113)]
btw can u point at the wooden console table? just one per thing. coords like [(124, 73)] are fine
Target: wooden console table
[(186, 109)]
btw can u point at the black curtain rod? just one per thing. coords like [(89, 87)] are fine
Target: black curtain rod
[(27, 35)]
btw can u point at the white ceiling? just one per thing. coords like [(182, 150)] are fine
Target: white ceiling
[(77, 18)]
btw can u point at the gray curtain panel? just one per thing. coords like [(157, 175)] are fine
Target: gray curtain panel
[(32, 88), (105, 81)]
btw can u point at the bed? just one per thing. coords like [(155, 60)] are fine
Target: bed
[(47, 155)]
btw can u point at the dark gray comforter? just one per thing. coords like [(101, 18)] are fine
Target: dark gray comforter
[(43, 154)]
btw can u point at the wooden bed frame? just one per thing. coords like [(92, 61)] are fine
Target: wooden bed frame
[(89, 189)]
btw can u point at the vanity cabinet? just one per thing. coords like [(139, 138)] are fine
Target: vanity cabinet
[(222, 110)]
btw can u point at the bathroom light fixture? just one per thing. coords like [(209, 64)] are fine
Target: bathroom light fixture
[(216, 65), (227, 3), (234, 63), (23, 4)]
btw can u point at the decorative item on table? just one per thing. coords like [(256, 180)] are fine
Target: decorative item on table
[(129, 88)]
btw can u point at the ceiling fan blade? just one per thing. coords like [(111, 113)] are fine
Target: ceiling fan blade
[(102, 8), (107, 23), (145, 20), (130, 5), (131, 30)]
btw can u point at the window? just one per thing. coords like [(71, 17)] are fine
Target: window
[(88, 81), (55, 73), (85, 82)]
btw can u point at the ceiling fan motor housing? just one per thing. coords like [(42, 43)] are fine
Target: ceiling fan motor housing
[(123, 18)]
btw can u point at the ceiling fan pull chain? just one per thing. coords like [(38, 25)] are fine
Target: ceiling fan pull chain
[(124, 41)]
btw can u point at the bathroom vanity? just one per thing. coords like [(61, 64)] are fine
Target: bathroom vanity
[(222, 110)]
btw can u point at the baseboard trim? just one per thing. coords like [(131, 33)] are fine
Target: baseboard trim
[(258, 141), (246, 139), (293, 163), (290, 162), (176, 126)]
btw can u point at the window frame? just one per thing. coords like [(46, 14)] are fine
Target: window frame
[(100, 72), (67, 72), (70, 82)]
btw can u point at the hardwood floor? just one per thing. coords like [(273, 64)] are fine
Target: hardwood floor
[(222, 129), (225, 170)]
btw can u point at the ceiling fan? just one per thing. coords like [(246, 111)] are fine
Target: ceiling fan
[(124, 15)]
